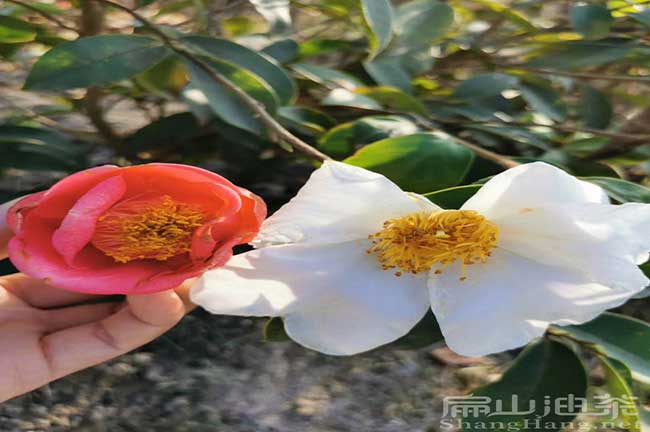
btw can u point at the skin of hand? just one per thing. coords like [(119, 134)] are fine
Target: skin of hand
[(48, 333)]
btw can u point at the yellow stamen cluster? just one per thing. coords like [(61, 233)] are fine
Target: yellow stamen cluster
[(421, 241), (158, 229)]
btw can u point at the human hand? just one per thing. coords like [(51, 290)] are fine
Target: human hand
[(48, 333)]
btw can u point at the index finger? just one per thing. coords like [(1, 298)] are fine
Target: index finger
[(5, 232)]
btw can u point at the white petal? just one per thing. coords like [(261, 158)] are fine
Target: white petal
[(339, 202), (335, 298), (600, 240), (530, 186), (511, 300)]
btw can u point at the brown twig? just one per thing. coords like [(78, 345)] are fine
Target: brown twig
[(91, 23), (562, 128), (502, 160), (44, 14), (583, 75), (251, 103)]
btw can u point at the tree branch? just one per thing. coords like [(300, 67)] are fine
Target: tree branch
[(504, 161), (251, 103), (90, 24), (44, 14)]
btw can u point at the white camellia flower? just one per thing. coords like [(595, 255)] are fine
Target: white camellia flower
[(353, 262)]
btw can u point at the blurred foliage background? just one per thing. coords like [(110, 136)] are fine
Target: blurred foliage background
[(437, 95)]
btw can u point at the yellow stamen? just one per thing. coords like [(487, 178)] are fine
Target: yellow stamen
[(158, 228), (421, 241)]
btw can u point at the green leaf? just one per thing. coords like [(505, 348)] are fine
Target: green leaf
[(254, 62), (378, 15), (393, 98), (389, 71), (586, 147), (544, 99), (454, 197), (623, 338), (305, 119), (617, 385), (643, 17), (622, 190), (343, 97), (546, 369), (204, 90), (94, 60), (274, 331), (417, 163), (283, 51), (417, 25), (421, 22), (595, 108), (173, 129), (341, 141), (327, 76), (37, 149), (583, 54), (13, 30), (509, 13), (593, 21), (167, 77), (276, 12), (485, 85)]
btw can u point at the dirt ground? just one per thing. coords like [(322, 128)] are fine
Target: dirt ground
[(216, 374)]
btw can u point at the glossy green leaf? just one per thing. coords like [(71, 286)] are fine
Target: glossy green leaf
[(581, 54), (164, 132), (13, 30), (327, 76), (204, 90), (341, 141), (546, 369), (509, 13), (485, 85), (343, 97), (393, 98), (593, 21), (378, 15), (305, 119), (94, 60), (420, 22), (283, 50), (586, 147), (454, 197), (389, 71), (544, 99), (618, 385), (167, 77), (254, 62), (622, 190), (623, 338), (417, 163), (595, 108)]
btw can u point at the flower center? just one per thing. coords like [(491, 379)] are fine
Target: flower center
[(147, 228), (421, 241)]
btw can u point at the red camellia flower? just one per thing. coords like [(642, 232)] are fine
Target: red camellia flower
[(134, 230)]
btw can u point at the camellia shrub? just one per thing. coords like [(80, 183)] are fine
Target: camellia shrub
[(481, 173)]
